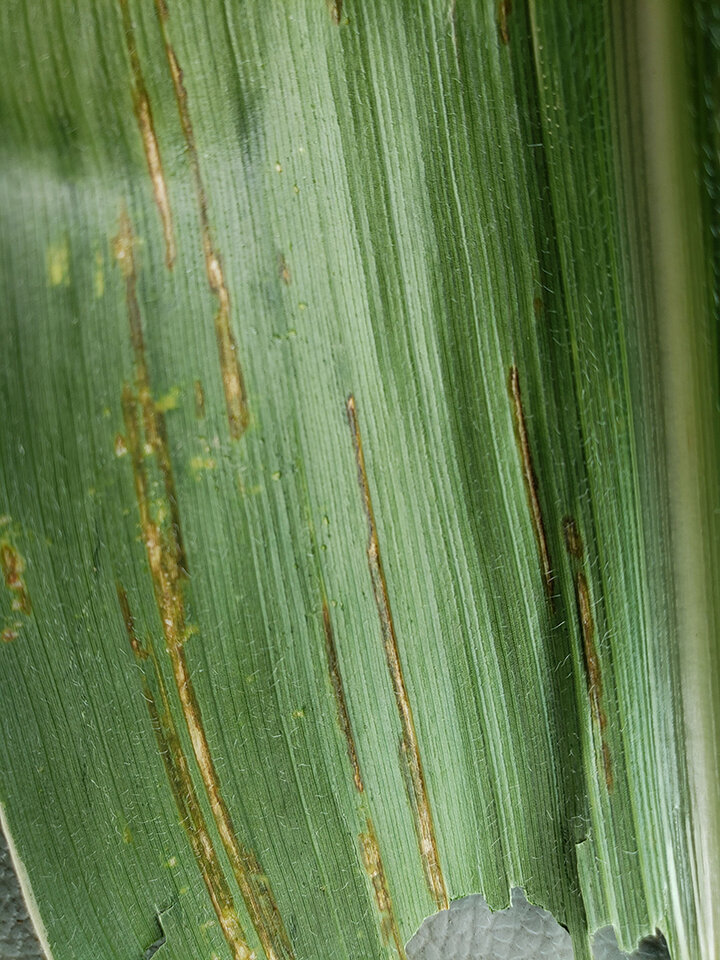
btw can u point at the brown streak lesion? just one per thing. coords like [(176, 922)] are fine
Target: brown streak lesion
[(591, 659), (335, 11), (376, 872), (153, 419), (284, 270), (146, 126), (504, 11), (573, 540), (147, 443), (421, 805), (257, 894), (339, 692), (183, 790), (230, 370), (369, 846), (531, 483)]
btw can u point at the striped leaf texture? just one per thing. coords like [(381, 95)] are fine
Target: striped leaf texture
[(359, 471)]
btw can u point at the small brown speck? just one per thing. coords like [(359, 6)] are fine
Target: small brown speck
[(284, 270), (573, 540), (199, 400)]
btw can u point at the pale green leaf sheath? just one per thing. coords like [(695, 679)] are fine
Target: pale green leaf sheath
[(359, 476)]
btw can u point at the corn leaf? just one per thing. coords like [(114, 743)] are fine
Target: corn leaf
[(359, 471)]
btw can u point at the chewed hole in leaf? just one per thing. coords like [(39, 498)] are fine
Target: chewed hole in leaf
[(605, 947), (470, 930)]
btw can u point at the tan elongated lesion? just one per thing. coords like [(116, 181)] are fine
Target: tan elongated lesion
[(146, 126), (177, 770), (335, 11), (376, 872), (591, 659), (530, 480), (230, 369), (424, 825), (369, 846), (147, 444), (503, 15)]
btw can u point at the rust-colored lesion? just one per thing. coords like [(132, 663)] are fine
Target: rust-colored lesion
[(421, 805), (230, 369), (12, 565), (591, 659), (147, 444), (369, 847), (146, 126), (504, 11), (13, 568), (531, 483), (177, 770)]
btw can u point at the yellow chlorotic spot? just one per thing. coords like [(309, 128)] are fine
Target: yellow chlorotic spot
[(183, 890), (202, 463), (278, 167), (127, 835), (169, 401), (298, 714), (172, 862), (58, 263)]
